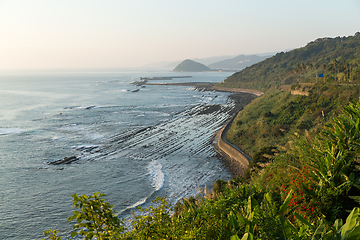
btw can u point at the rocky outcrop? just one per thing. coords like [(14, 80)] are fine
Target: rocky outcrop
[(65, 160)]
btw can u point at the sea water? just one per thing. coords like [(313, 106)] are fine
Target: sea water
[(131, 145)]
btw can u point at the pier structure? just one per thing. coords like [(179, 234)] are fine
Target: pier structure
[(162, 78)]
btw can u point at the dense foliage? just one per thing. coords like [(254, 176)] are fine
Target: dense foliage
[(338, 59), (311, 191)]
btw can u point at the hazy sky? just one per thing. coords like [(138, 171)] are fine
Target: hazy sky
[(130, 33)]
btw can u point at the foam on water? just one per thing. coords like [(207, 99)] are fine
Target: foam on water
[(156, 175), (5, 131)]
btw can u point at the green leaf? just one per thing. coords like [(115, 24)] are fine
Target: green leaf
[(268, 198), (320, 230), (286, 228), (233, 222), (247, 236), (301, 219), (286, 203), (252, 206), (355, 234), (338, 224), (356, 198), (350, 223), (241, 219), (234, 237)]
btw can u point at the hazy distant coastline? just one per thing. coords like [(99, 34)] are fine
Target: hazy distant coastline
[(225, 62)]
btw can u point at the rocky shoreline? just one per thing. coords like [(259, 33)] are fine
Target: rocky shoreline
[(236, 160), (206, 86)]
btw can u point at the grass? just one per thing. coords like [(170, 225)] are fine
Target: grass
[(276, 117)]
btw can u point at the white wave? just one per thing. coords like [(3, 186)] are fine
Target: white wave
[(207, 99), (120, 123), (156, 175), (88, 107), (138, 203), (157, 179), (5, 131)]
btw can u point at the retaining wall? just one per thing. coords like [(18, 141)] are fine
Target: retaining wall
[(236, 160)]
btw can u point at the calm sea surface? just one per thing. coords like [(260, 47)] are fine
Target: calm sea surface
[(132, 146)]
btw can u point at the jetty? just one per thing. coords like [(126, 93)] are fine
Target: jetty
[(144, 80), (162, 78)]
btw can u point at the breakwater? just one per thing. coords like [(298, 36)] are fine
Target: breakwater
[(163, 78), (235, 159)]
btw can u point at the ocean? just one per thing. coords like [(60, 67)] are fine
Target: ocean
[(130, 142)]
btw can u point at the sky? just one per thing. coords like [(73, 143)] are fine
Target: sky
[(41, 34)]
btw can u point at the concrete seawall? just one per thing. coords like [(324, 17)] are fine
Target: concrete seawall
[(236, 160)]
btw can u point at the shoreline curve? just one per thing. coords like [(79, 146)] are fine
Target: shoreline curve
[(236, 160)]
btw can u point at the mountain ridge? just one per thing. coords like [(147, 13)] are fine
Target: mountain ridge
[(239, 62), (323, 55)]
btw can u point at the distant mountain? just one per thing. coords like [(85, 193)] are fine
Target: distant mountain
[(238, 63), (173, 64), (210, 60), (206, 61), (191, 66)]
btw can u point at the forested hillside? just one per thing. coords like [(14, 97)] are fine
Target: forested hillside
[(338, 59), (275, 118)]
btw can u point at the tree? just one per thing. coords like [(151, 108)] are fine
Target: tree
[(96, 218), (316, 66), (347, 67), (335, 63), (324, 67), (299, 69), (303, 67)]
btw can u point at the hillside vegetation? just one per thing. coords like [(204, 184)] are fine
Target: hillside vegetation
[(276, 117), (337, 58)]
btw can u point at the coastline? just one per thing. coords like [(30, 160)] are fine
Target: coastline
[(234, 158), (211, 87)]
